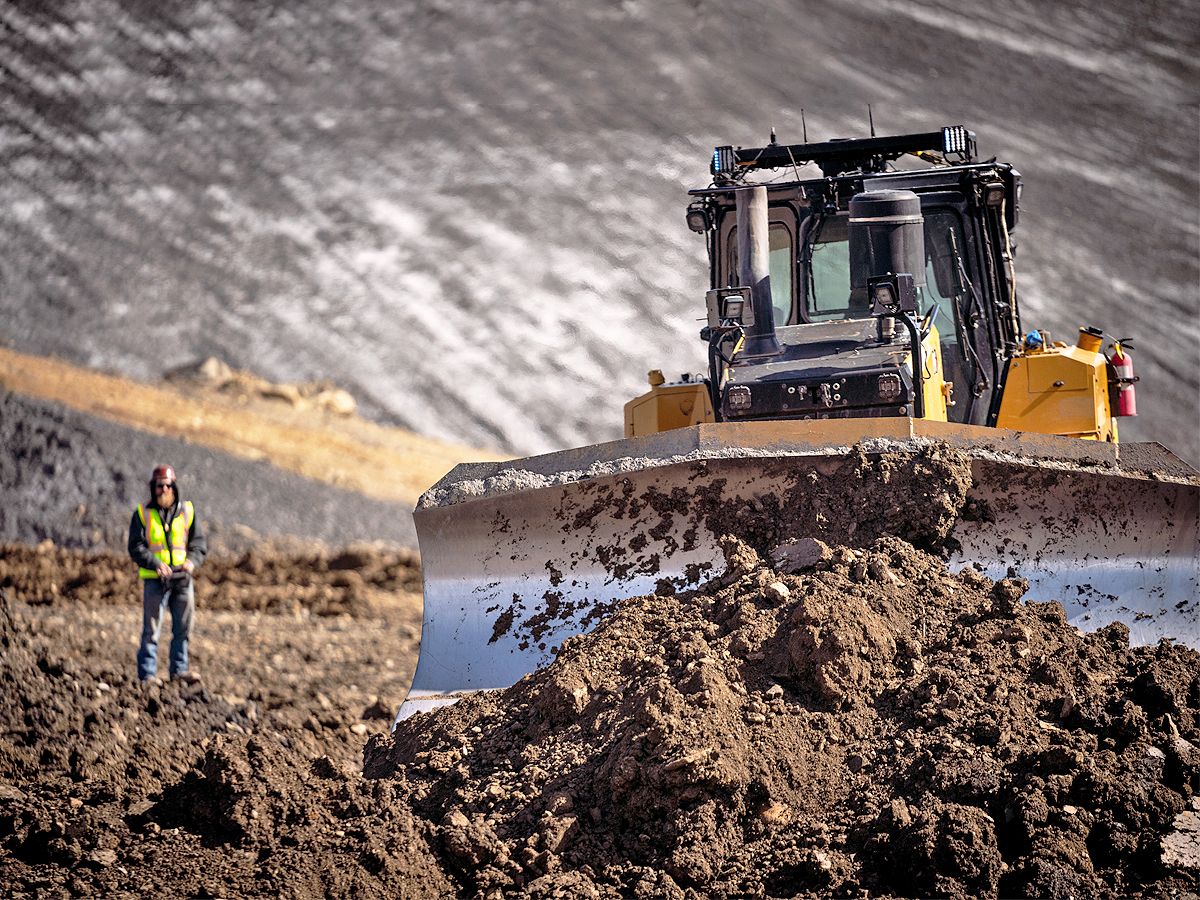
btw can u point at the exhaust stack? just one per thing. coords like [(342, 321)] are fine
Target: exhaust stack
[(754, 270)]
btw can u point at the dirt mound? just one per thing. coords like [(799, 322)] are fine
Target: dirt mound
[(244, 784), (868, 723), (315, 580)]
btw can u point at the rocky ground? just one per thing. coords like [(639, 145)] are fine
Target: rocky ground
[(107, 788), (838, 723)]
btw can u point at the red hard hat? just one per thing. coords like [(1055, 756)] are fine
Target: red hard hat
[(163, 473)]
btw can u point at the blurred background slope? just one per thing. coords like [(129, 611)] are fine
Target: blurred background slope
[(470, 214)]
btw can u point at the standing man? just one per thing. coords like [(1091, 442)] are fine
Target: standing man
[(167, 543)]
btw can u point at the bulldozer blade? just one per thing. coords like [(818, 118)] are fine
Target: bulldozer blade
[(520, 556)]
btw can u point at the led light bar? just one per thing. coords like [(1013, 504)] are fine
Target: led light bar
[(957, 139), (723, 160)]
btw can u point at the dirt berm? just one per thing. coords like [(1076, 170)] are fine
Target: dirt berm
[(870, 723)]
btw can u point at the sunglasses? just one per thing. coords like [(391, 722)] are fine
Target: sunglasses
[(163, 485)]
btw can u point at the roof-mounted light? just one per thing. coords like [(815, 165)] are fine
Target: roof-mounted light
[(723, 160), (697, 218), (957, 139)]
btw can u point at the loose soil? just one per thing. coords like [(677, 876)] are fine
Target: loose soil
[(861, 723), (244, 784), (839, 722), (813, 721)]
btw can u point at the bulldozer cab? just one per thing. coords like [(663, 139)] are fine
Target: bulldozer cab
[(969, 212)]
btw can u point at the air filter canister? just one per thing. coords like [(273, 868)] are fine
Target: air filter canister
[(887, 235)]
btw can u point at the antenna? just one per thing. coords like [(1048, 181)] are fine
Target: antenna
[(871, 119), (773, 141), (803, 125)]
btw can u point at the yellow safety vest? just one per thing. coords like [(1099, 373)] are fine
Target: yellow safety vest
[(174, 551)]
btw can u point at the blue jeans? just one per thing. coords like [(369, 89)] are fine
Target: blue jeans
[(156, 597)]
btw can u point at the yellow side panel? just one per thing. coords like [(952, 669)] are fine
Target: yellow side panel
[(665, 407), (934, 377), (1062, 391)]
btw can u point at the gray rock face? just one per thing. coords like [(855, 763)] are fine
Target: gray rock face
[(472, 219)]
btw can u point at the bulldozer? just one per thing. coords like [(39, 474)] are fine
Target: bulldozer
[(863, 342)]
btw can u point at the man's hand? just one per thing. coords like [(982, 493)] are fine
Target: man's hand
[(164, 570), (188, 566)]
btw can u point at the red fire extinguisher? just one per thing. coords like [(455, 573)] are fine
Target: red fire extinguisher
[(1124, 400)]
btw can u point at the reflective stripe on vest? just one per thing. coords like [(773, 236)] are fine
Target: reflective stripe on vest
[(174, 552)]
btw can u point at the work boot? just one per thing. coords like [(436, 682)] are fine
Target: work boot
[(187, 677)]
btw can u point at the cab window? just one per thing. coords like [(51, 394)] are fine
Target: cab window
[(782, 268), (824, 269)]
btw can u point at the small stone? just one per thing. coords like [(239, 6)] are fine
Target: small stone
[(777, 592), (103, 858), (881, 571), (379, 709), (755, 718), (776, 814), (855, 762), (555, 833), (1015, 634), (1070, 810), (774, 691), (1181, 848), (75, 803), (792, 556), (359, 728)]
